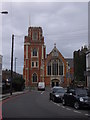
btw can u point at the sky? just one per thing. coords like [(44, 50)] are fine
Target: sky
[(63, 23)]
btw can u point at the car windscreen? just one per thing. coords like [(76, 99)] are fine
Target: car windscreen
[(81, 92), (61, 91)]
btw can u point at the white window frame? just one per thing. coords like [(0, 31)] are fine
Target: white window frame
[(32, 53), (34, 64), (37, 77)]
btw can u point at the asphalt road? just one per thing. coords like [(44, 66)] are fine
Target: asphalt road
[(36, 104)]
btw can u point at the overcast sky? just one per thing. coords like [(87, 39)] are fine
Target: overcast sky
[(65, 24)]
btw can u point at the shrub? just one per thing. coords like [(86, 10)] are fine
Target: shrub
[(18, 84)]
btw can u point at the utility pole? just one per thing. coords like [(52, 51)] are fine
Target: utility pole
[(12, 64), (15, 64)]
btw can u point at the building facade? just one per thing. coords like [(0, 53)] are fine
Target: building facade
[(88, 66), (39, 67)]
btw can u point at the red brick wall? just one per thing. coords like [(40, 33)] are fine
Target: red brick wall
[(27, 63)]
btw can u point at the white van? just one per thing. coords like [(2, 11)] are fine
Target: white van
[(41, 86)]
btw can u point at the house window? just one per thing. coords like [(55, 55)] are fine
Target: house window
[(34, 52), (34, 77)]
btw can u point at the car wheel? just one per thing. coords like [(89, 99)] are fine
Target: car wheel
[(76, 105), (63, 102)]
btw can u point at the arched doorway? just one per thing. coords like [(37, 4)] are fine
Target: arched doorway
[(54, 82)]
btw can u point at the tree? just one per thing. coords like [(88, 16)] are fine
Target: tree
[(79, 65), (18, 84)]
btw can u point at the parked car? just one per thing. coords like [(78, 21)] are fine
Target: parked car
[(41, 86), (56, 94), (76, 97)]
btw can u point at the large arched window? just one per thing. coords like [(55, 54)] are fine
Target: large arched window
[(49, 69), (55, 67), (34, 52), (34, 77), (60, 67)]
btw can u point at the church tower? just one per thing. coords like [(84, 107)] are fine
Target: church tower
[(34, 55)]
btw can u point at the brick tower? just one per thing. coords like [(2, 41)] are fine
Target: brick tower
[(34, 55)]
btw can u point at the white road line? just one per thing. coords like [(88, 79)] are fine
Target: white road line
[(62, 106), (87, 114), (58, 105), (42, 92), (68, 108), (55, 103), (76, 111)]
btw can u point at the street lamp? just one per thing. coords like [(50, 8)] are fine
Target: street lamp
[(15, 64), (12, 64), (4, 12)]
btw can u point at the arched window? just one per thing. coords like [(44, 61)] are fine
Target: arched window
[(55, 67), (49, 69), (34, 77), (34, 52), (60, 68)]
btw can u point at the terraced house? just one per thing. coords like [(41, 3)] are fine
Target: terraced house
[(52, 68)]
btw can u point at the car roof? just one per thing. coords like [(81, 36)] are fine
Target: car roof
[(57, 87), (77, 88)]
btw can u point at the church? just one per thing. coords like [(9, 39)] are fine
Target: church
[(52, 68)]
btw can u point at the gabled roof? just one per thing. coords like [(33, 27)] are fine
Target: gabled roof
[(55, 53)]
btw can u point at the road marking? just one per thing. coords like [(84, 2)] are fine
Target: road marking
[(58, 105), (55, 103), (87, 114), (68, 108), (62, 106), (76, 111), (42, 92)]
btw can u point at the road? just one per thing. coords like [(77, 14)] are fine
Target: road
[(36, 104)]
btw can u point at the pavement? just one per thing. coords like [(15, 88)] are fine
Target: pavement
[(7, 95)]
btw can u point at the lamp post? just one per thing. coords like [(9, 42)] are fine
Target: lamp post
[(13, 36), (12, 64), (15, 64)]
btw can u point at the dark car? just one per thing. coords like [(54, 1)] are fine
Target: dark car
[(56, 94), (77, 97)]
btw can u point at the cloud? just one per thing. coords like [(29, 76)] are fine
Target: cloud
[(65, 24)]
